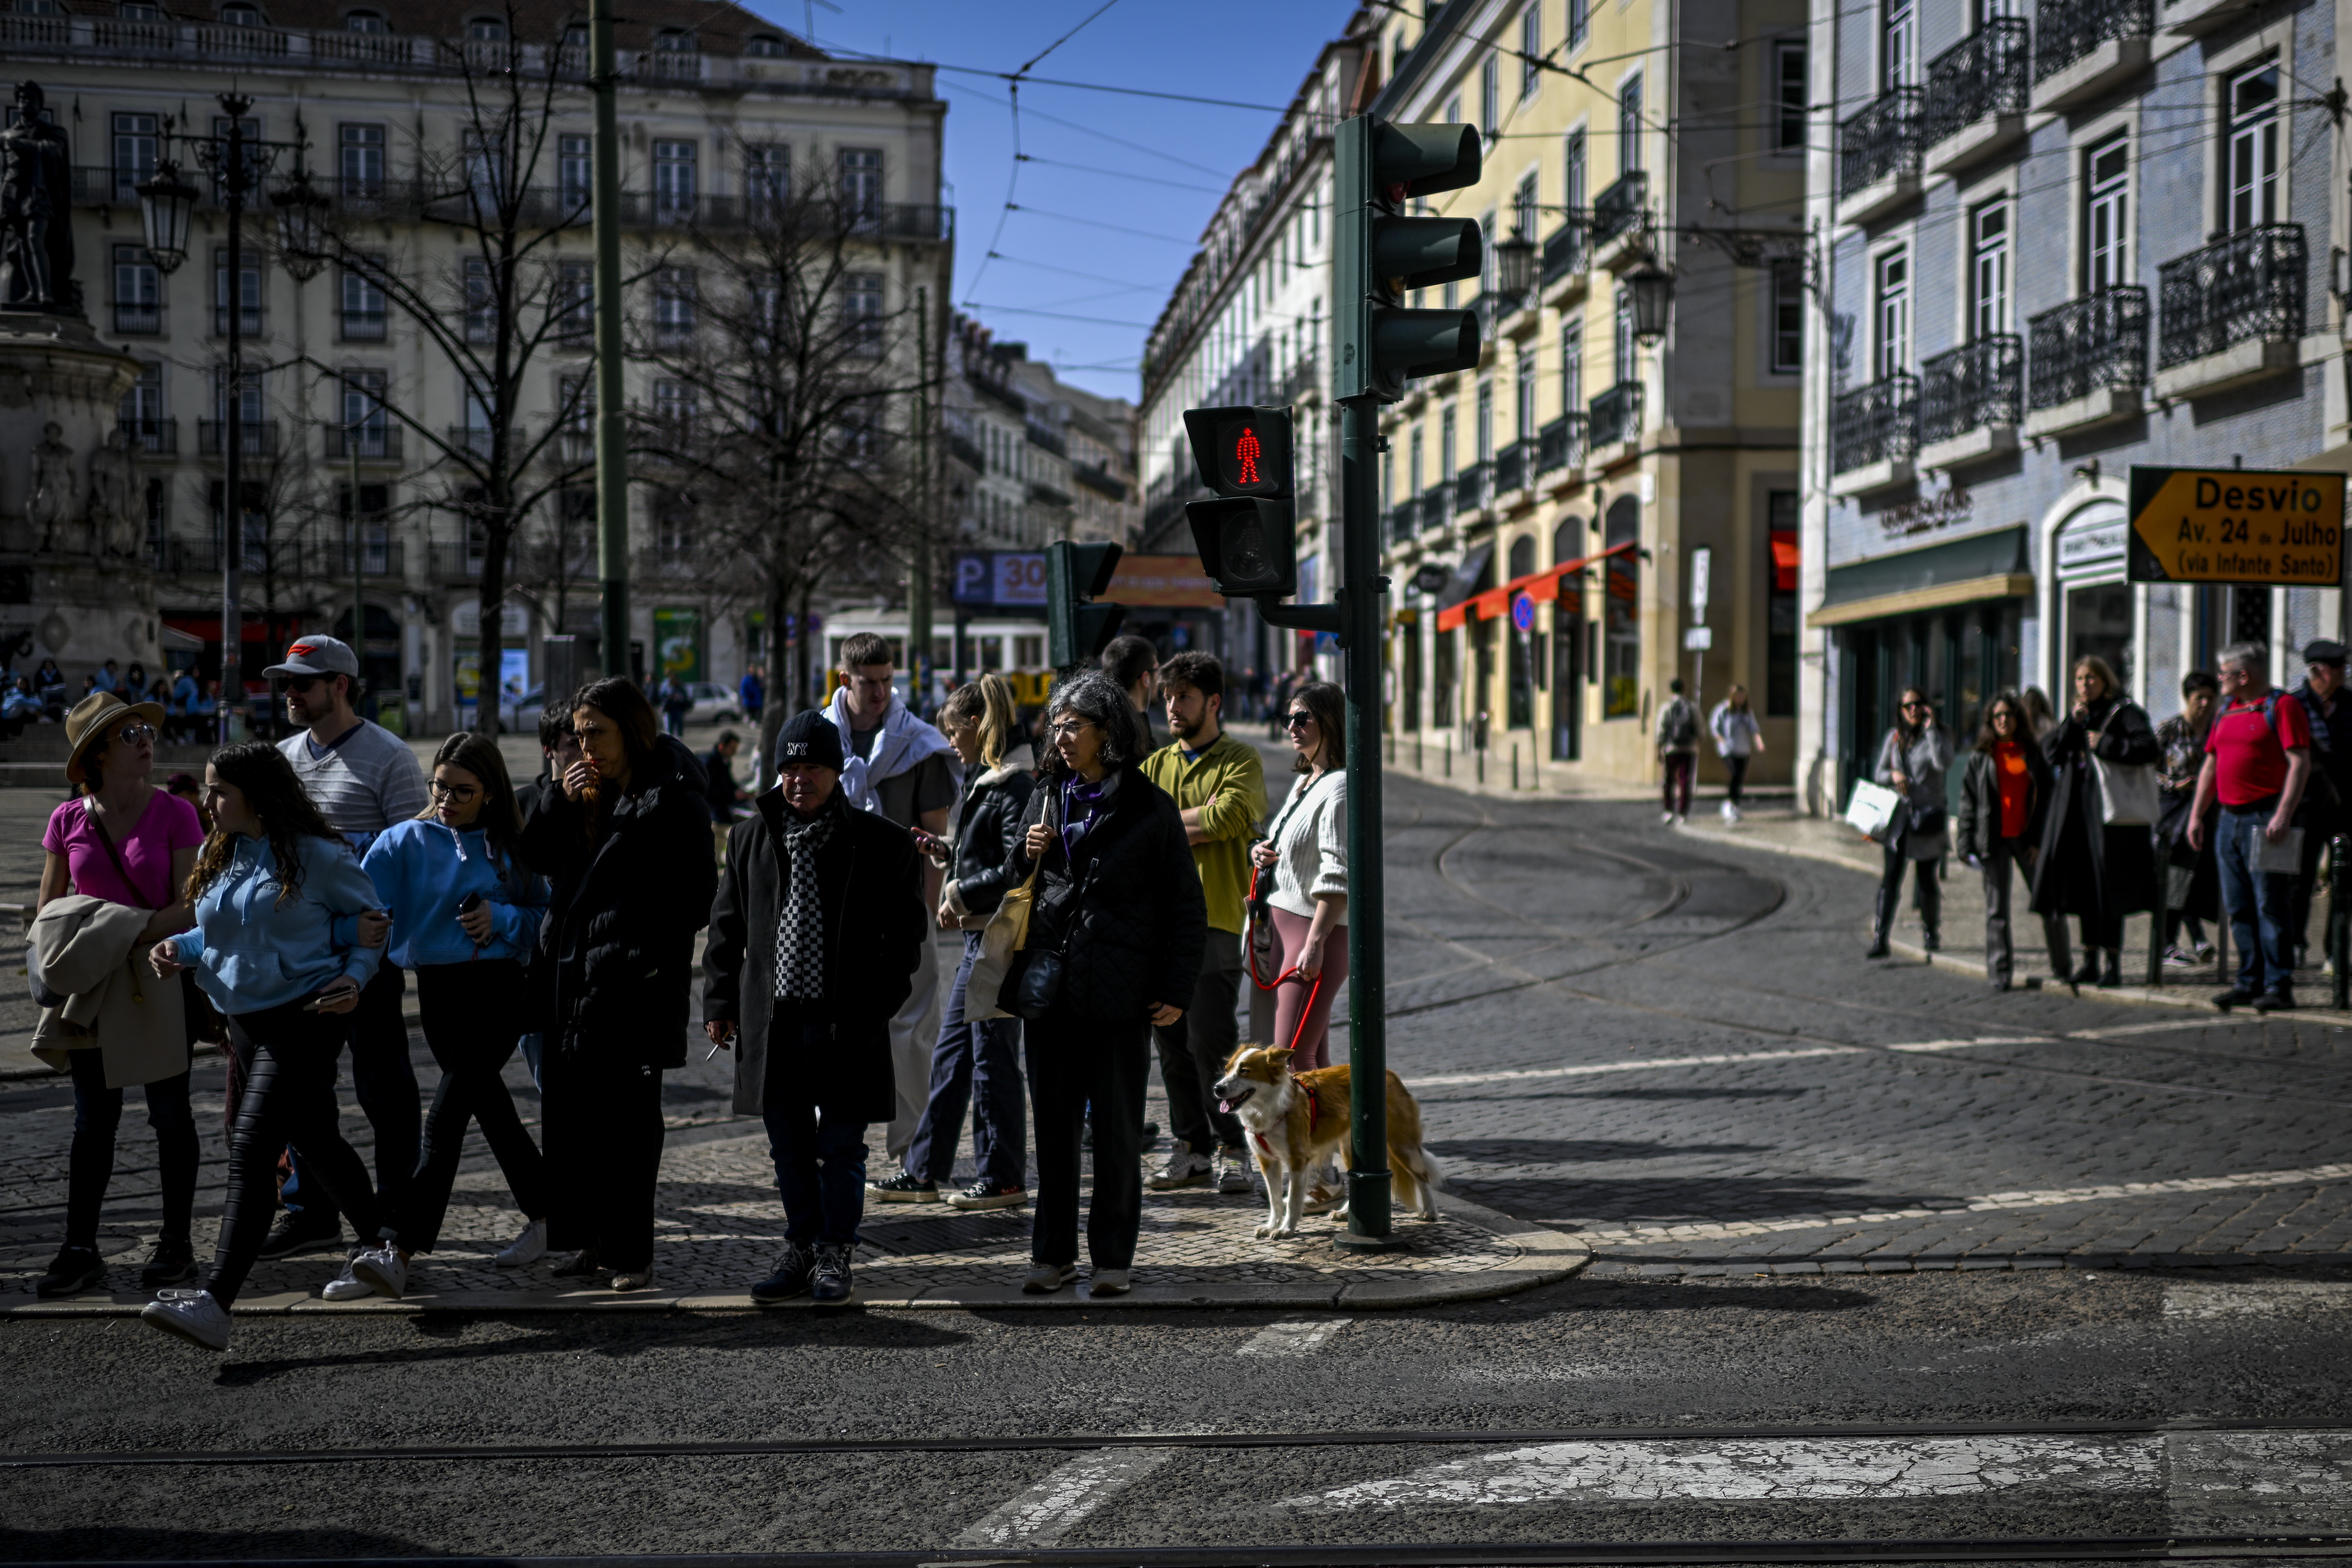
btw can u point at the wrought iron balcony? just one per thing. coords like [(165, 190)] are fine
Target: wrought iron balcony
[(253, 323), (1402, 524), (1492, 306), (1620, 208), (1511, 468), (1564, 252), (457, 562), (2250, 284), (1883, 139), (1470, 488), (1978, 385), (1874, 424), (373, 558), (364, 326), (2099, 340), (1303, 378), (158, 438), (139, 318), (2066, 31), (1561, 444), (1983, 74), (368, 443), (471, 439), (258, 438), (1616, 415)]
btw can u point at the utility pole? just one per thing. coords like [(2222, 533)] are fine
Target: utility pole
[(235, 177), (612, 451), (918, 580)]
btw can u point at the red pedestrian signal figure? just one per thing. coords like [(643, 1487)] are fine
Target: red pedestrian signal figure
[(1245, 454)]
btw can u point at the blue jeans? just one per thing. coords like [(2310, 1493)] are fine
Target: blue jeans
[(383, 1081), (976, 1063), (2256, 903), (820, 1162)]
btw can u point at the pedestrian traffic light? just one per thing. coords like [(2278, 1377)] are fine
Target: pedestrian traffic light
[(1381, 254), (1248, 535), (1076, 628)]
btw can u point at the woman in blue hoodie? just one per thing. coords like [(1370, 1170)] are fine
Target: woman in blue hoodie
[(271, 882), (465, 911)]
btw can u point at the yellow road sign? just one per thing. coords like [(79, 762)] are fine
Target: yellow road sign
[(2237, 525)]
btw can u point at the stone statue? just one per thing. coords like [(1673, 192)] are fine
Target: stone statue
[(36, 256), (116, 524), (51, 500)]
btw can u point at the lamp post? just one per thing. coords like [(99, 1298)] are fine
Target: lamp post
[(1653, 291), (1514, 265), (236, 162)]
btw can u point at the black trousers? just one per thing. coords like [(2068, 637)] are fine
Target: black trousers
[(1074, 1062), (1735, 782), (98, 1114), (385, 1082), (1926, 891), (473, 1017), (2319, 827), (289, 1058), (601, 1123), (1193, 1049)]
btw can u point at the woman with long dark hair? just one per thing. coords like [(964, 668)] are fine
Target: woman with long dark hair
[(2002, 797), (627, 842), (270, 886), (464, 910), (2089, 869), (1912, 761), (1304, 857)]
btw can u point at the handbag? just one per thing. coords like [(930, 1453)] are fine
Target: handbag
[(1871, 809), (1001, 942), (2127, 792), (1038, 985)]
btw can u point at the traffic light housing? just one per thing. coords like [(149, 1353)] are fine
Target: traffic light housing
[(1381, 254), (1076, 628), (1247, 536)]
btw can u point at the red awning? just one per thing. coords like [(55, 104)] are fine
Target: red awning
[(1543, 587), (1784, 560)]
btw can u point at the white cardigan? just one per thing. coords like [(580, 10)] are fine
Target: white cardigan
[(1311, 843)]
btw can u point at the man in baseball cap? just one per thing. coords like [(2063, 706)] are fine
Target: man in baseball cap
[(363, 778), (2322, 815)]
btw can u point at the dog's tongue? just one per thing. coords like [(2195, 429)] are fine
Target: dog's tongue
[(1226, 1106)]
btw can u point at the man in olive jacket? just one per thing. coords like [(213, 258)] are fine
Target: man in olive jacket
[(815, 931)]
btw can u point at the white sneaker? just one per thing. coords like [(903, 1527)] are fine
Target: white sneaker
[(1236, 1171), (346, 1285), (383, 1269), (525, 1249), (1665, 819), (1183, 1169), (1731, 812), (1111, 1283), (192, 1315)]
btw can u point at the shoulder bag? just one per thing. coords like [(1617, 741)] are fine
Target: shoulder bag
[(2128, 796), (1039, 985), (1002, 940)]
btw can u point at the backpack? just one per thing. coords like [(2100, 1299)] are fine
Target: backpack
[(1678, 726)]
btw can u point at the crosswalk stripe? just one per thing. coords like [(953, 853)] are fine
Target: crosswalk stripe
[(2264, 1299), (1290, 1339), (1652, 1064), (1041, 1514)]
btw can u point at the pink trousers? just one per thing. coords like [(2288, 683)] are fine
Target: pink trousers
[(1290, 997)]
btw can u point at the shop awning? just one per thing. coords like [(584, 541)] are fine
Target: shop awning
[(1543, 587), (1467, 572), (1963, 572)]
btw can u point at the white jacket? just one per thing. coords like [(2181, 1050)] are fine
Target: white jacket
[(1310, 842), (88, 969)]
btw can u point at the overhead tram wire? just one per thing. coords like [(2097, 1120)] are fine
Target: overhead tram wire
[(1120, 174), (1087, 277)]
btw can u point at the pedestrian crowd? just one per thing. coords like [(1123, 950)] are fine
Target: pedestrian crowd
[(42, 694), (2217, 813), (1111, 896)]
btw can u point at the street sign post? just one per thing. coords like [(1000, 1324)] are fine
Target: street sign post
[(2254, 527)]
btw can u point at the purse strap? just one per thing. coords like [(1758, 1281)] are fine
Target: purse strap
[(89, 815)]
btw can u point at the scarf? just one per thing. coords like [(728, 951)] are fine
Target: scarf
[(2314, 715), (904, 742), (1082, 807), (799, 929)]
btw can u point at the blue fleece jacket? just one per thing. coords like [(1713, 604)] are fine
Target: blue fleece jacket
[(250, 954), (423, 869)]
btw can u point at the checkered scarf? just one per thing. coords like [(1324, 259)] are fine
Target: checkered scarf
[(799, 929)]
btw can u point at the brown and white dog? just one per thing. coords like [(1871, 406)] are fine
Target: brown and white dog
[(1298, 1122)]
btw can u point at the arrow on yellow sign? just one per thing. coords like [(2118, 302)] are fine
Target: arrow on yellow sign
[(2256, 526)]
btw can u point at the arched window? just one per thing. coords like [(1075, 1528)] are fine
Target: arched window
[(1523, 555), (1568, 541)]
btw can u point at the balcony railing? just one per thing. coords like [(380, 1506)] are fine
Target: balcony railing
[(1616, 415), (1563, 252), (1470, 490), (1983, 74), (2250, 284), (2066, 31), (367, 443), (374, 558), (1979, 384), (143, 319), (1492, 306), (1621, 207), (1436, 505), (158, 437), (669, 65), (1561, 444), (1874, 424), (473, 439), (2099, 340), (455, 562), (253, 321), (1039, 436), (364, 326), (1511, 468), (1883, 139), (1100, 481), (258, 438)]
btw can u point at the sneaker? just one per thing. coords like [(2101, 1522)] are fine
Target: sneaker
[(1321, 1200), (793, 1271), (1736, 813), (346, 1285), (192, 1315), (1045, 1278), (525, 1249), (1682, 819), (904, 1188), (384, 1268), (74, 1270), (293, 1235), (579, 1265), (627, 1279), (1665, 819), (2234, 997), (2176, 959), (1237, 1171), (2279, 1001), (1183, 1169), (988, 1196), (831, 1281), (174, 1262), (1111, 1283)]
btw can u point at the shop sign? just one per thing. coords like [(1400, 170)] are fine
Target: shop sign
[(2082, 548), (1945, 509), (2252, 526), (677, 642)]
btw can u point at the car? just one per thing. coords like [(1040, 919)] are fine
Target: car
[(713, 704), (519, 715)]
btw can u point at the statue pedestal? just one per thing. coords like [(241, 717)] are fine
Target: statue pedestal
[(80, 604)]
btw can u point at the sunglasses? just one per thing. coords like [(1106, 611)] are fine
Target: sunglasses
[(300, 683), (1299, 721), (136, 734)]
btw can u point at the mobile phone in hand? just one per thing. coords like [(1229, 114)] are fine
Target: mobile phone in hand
[(927, 843), (469, 903)]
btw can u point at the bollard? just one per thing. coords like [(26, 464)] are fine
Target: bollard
[(1481, 764), (1449, 754), (2339, 929), (2163, 909), (1416, 751), (1515, 765)]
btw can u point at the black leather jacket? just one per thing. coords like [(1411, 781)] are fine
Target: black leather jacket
[(990, 821)]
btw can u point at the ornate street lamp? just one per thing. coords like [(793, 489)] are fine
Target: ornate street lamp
[(165, 202), (1652, 288), (301, 227), (1514, 265)]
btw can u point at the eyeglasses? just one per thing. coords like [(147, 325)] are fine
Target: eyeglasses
[(1066, 730), (136, 734), (300, 683), (1298, 721), (452, 792), (1908, 705)]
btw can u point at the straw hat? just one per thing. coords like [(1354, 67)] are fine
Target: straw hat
[(96, 716)]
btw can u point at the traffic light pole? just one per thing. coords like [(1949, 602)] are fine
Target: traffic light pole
[(611, 411)]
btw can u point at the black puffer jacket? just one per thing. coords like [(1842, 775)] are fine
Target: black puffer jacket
[(1130, 914), (612, 971), (987, 828)]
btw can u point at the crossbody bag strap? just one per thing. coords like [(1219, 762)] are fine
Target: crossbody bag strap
[(89, 815)]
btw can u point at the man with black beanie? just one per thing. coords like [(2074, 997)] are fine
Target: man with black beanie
[(814, 936)]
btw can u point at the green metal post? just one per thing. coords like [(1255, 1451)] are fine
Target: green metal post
[(612, 450), (918, 571)]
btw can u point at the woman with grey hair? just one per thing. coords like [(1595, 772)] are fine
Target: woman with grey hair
[(1116, 935)]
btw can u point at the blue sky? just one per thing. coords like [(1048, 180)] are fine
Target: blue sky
[(1143, 210)]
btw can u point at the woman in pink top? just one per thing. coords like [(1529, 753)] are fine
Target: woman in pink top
[(128, 842)]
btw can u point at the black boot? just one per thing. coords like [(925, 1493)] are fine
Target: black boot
[(74, 1270), (2089, 974), (1933, 939), (1878, 945), (2111, 974), (175, 1263)]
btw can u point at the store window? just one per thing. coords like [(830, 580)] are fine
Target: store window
[(1621, 675)]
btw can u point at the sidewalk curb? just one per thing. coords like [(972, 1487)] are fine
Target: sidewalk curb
[(1547, 1256)]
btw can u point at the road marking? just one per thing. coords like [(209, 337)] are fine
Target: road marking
[(2271, 1299), (1590, 1069), (1713, 1230), (2256, 1466), (1291, 1338), (1041, 1515)]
